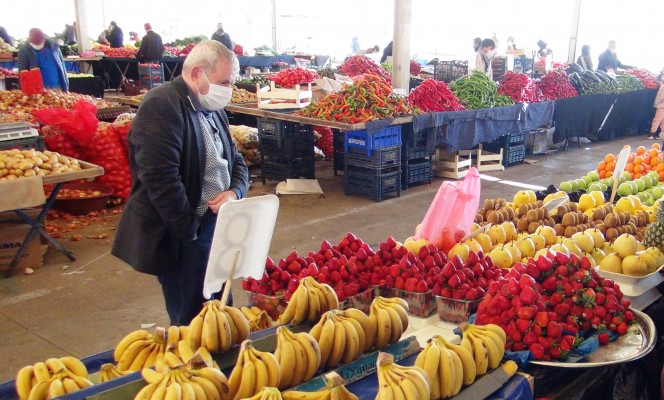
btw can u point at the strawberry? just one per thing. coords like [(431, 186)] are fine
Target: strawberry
[(546, 342), (600, 298), (526, 281), (561, 310), (554, 352), (529, 338), (550, 284), (537, 330), (422, 287), (542, 319), (622, 328), (554, 330), (603, 338), (515, 336), (536, 349), (544, 264), (533, 271), (523, 325), (526, 312), (585, 263), (528, 295), (555, 299), (629, 316), (562, 258), (565, 345)]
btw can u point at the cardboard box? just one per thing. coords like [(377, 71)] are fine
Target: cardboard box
[(11, 238)]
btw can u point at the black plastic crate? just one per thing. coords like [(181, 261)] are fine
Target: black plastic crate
[(415, 143), (283, 130), (447, 71), (375, 184), (514, 155), (280, 170), (417, 171), (516, 138), (380, 158), (34, 142), (288, 148), (412, 153)]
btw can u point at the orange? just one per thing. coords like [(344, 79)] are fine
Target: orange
[(653, 153), (609, 158), (608, 174), (602, 174), (638, 160), (638, 169), (601, 166), (646, 160), (656, 146), (661, 176), (631, 176), (637, 176), (659, 167), (640, 150), (654, 161), (629, 167), (610, 166), (631, 156)]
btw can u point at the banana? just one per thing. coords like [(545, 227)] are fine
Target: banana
[(400, 310), (288, 314), (172, 337), (199, 392), (215, 377), (195, 331), (326, 339), (419, 379), (160, 393), (23, 384), (480, 354), (141, 357), (147, 392), (354, 347), (318, 327), (409, 389), (210, 334), (174, 391), (246, 389), (262, 377), (458, 372), (338, 345), (152, 358), (75, 365), (79, 380), (272, 365), (314, 306), (493, 353), (286, 359), (293, 395), (211, 392), (312, 351), (40, 391), (467, 361), (322, 300), (384, 327), (465, 343), (395, 385), (384, 391), (183, 332), (428, 360), (360, 333), (399, 382), (56, 389), (373, 321), (397, 326), (300, 367), (446, 374), (301, 300), (151, 376), (173, 361), (398, 300), (239, 321), (188, 392), (496, 338), (368, 328), (41, 372), (330, 296), (235, 378), (140, 334), (224, 322), (248, 313), (493, 328), (69, 385), (185, 351)]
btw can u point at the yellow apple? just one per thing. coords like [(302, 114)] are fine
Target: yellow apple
[(460, 249), (527, 247), (501, 257), (473, 245), (596, 234), (524, 197), (413, 245), (538, 240), (514, 251), (607, 248), (634, 266), (625, 245), (549, 234), (540, 253), (597, 255), (497, 234), (586, 202), (584, 241), (640, 246), (560, 248), (611, 263), (485, 241), (599, 198), (650, 258), (510, 230), (573, 247)]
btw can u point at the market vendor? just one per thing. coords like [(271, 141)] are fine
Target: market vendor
[(114, 35), (584, 59), (185, 166), (543, 51), (484, 56), (5, 36), (152, 48), (43, 53), (222, 37), (387, 52), (609, 59)]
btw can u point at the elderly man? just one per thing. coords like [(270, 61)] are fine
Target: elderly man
[(184, 167), (43, 53)]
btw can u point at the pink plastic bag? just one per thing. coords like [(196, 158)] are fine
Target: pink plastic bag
[(452, 212)]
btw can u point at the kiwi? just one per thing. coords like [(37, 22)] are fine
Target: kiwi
[(532, 227), (600, 227), (546, 212), (568, 219), (561, 210), (626, 215), (546, 222), (576, 218), (599, 213), (560, 229), (632, 226), (522, 224), (501, 202), (610, 221), (591, 224), (531, 216), (492, 217), (573, 206), (611, 234), (510, 213), (540, 213), (552, 221), (569, 231), (488, 204), (504, 213), (539, 203)]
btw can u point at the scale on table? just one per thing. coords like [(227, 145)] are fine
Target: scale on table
[(16, 131), (241, 242)]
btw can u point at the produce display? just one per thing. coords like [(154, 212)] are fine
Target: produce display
[(298, 355), (253, 371), (361, 65), (290, 77), (52, 378), (246, 141), (258, 319), (78, 193), (15, 101), (415, 68), (16, 164), (593, 82), (217, 327), (639, 163), (108, 372), (478, 91), (628, 83), (520, 88), (239, 50), (396, 381), (309, 301), (390, 317), (369, 98), (324, 140), (105, 149), (334, 390), (556, 85), (140, 349), (117, 52), (432, 95), (7, 73), (647, 78), (242, 96)]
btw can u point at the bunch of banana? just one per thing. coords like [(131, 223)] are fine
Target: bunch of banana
[(390, 316), (399, 382), (341, 338), (298, 355), (140, 349), (52, 378), (180, 382), (109, 372), (258, 319), (448, 366), (334, 390), (253, 371), (217, 327), (267, 393), (486, 343), (309, 301)]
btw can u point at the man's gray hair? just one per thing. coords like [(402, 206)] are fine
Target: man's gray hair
[(206, 54)]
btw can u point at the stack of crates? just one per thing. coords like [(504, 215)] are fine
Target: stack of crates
[(447, 71), (416, 160), (151, 75), (287, 150), (372, 163), (514, 148)]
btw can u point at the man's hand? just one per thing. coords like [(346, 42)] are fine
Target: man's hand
[(220, 199)]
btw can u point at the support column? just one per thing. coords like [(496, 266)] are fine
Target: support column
[(571, 54), (274, 25), (82, 37), (401, 45)]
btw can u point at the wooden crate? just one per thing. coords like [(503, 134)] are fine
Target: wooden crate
[(488, 161), (451, 165)]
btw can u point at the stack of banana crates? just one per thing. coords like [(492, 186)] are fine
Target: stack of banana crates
[(416, 160), (151, 75), (287, 150), (372, 163), (514, 148)]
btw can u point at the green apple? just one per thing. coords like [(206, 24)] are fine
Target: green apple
[(626, 175), (581, 183), (593, 175), (566, 187), (649, 181), (610, 181), (587, 179), (595, 187), (575, 185), (643, 196), (641, 184), (654, 174), (635, 186), (657, 192), (625, 189), (650, 202), (604, 186)]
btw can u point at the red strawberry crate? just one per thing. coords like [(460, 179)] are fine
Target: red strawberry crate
[(419, 304), (273, 305), (453, 310), (361, 301)]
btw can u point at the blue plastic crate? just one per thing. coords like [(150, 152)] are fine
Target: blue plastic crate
[(386, 137), (516, 138), (381, 158), (376, 184)]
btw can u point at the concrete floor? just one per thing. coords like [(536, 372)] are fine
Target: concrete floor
[(90, 306)]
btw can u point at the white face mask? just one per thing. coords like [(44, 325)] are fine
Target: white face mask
[(37, 46), (491, 54), (217, 97)]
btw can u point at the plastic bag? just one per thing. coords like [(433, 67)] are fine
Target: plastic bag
[(79, 123), (452, 212), (31, 81)]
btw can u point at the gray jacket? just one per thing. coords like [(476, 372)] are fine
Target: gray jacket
[(27, 59), (167, 157)]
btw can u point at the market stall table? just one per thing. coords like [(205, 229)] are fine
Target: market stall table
[(88, 170), (84, 63), (172, 67), (92, 85)]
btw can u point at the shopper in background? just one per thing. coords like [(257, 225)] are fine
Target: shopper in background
[(477, 43), (152, 48), (543, 51), (484, 56), (387, 52), (5, 36), (102, 38), (584, 59), (609, 59), (658, 120), (69, 34), (355, 45), (222, 37), (43, 53), (185, 166), (114, 35)]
